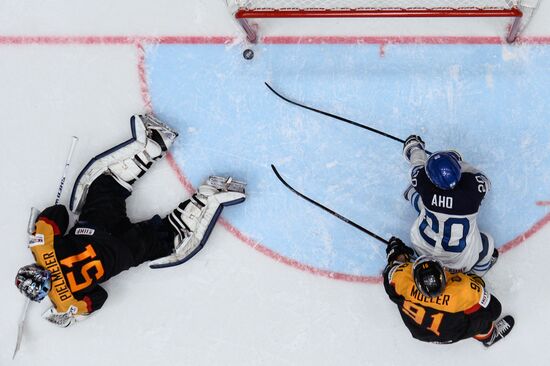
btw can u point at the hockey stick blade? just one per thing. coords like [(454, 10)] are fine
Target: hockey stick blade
[(20, 327), (21, 323), (334, 213)]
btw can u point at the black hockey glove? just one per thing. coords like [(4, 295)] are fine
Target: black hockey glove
[(396, 248), (412, 142)]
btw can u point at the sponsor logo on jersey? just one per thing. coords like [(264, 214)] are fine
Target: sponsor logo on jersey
[(36, 239), (485, 298), (84, 231)]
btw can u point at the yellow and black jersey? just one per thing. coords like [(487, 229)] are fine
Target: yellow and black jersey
[(66, 291), (78, 261), (464, 309)]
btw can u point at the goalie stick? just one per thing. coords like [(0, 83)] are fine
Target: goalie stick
[(336, 117), (30, 229), (334, 213)]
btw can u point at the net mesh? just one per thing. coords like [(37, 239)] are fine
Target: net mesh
[(372, 4)]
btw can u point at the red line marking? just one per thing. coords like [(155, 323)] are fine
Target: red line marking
[(113, 40), (526, 235), (543, 203), (398, 40), (143, 79), (294, 263), (129, 40), (266, 251)]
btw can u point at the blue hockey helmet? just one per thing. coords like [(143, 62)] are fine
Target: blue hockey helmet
[(443, 169), (34, 282)]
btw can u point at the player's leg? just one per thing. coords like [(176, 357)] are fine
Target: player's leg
[(193, 220), (487, 256), (127, 161), (105, 205), (485, 327), (144, 241)]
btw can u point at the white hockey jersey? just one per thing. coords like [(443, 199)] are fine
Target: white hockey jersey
[(446, 227)]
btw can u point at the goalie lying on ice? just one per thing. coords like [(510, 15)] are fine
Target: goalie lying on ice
[(103, 242)]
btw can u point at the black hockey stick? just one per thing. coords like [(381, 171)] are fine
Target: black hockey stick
[(335, 116), (346, 220)]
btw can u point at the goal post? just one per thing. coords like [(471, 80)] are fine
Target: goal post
[(244, 10)]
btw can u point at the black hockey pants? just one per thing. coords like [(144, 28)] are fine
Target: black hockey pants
[(133, 243)]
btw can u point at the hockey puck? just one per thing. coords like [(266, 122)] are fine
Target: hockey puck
[(248, 54)]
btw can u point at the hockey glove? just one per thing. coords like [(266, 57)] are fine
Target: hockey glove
[(397, 248), (65, 319), (411, 143)]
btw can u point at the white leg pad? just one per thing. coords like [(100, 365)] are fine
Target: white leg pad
[(195, 219), (127, 161)]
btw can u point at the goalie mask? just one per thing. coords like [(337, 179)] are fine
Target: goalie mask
[(429, 276), (443, 169), (34, 282)]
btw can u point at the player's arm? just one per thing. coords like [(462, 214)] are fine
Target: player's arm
[(414, 152), (397, 253), (54, 217), (50, 224), (94, 300)]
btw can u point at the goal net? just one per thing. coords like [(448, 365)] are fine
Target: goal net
[(247, 9)]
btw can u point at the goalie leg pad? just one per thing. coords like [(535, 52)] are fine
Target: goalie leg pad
[(194, 220), (127, 161)]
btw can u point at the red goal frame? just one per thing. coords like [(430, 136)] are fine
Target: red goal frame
[(243, 15)]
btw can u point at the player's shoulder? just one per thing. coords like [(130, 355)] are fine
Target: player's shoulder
[(400, 276), (462, 292), (466, 293), (474, 176)]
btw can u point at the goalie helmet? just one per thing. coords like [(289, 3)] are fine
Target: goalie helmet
[(34, 282), (429, 276), (443, 169)]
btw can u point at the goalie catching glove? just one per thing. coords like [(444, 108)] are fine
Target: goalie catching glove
[(65, 319), (193, 220)]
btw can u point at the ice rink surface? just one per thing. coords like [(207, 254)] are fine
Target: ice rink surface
[(280, 282)]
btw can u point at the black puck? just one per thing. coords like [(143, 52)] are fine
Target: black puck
[(248, 54)]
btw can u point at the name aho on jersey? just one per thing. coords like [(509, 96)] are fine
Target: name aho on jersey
[(442, 201)]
